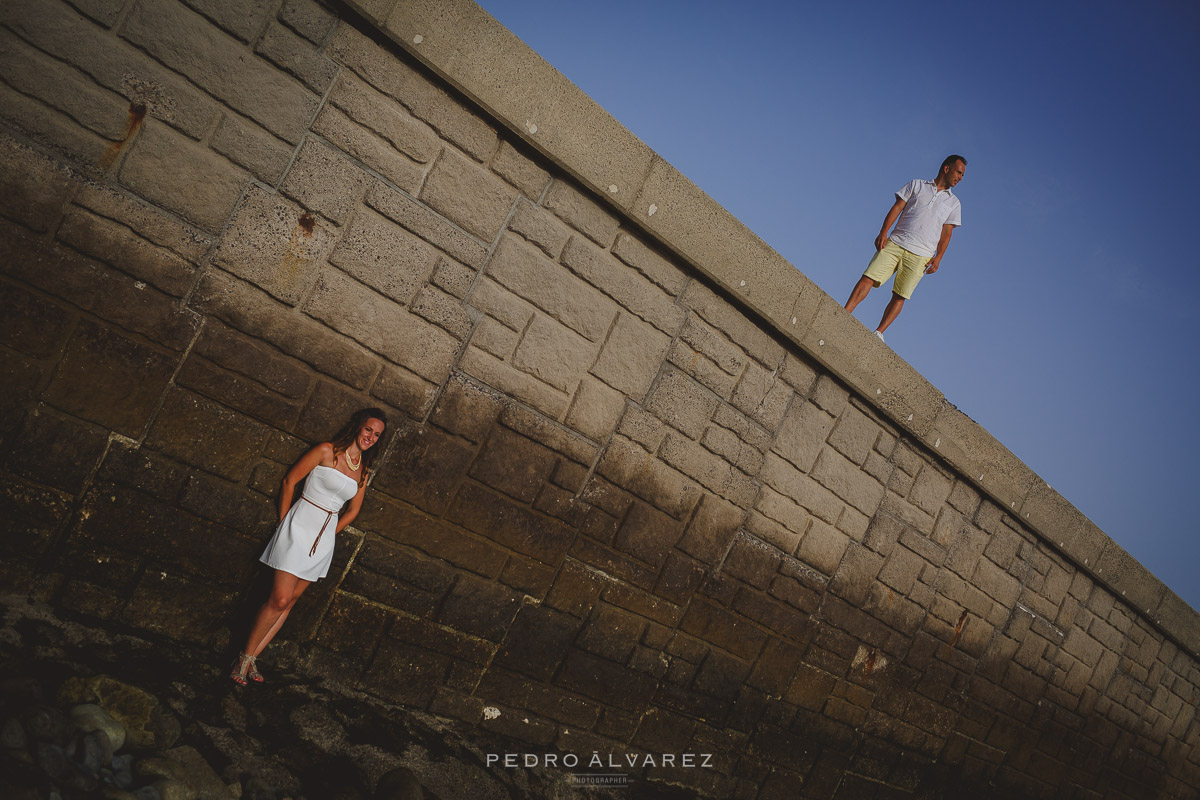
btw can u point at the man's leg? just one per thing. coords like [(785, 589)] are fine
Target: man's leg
[(859, 294), (891, 312)]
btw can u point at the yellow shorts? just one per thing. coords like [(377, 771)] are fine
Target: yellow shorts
[(894, 259)]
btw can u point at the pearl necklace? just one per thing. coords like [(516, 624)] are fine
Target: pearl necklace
[(353, 467)]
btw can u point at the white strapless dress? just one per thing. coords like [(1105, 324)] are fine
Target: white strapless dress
[(303, 541)]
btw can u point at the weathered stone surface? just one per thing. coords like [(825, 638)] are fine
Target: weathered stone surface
[(626, 286), (67, 451), (243, 19), (581, 213), (325, 182), (426, 101), (385, 256), (110, 379), (216, 62), (553, 354), (539, 227), (33, 189), (245, 308), (595, 410), (200, 432), (509, 525), (251, 146), (681, 403), (467, 195), (50, 128), (359, 143), (176, 173), (512, 164), (382, 326), (31, 324), (429, 226), (296, 57), (631, 356), (154, 224), (115, 244)]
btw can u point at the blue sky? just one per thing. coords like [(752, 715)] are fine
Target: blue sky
[(1063, 318)]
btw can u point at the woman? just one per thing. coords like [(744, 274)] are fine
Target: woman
[(302, 548)]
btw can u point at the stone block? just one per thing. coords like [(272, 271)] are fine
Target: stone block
[(802, 434), (32, 72), (385, 256), (491, 371), (1137, 585), (114, 64), (751, 561), (762, 396), (246, 356), (522, 269), (480, 608), (454, 278), (202, 377), (823, 547), (513, 464), (845, 480), (681, 403), (325, 182), (702, 369), (520, 170), (721, 314), (902, 569), (148, 221), (361, 144), (386, 118), (251, 311), (466, 410), (33, 189), (115, 244), (512, 526), (180, 175), (424, 223), (655, 267), (801, 489), (726, 630), (307, 18), (187, 43), (606, 682), (396, 78), (631, 356), (276, 245), (468, 195), (976, 453), (854, 435), (725, 443), (711, 471), (539, 227), (33, 515), (108, 378), (32, 325), (708, 341), (647, 534), (930, 490), (711, 530), (243, 19), (423, 467), (624, 284), (297, 57), (791, 519), (187, 610), (575, 208), (66, 451), (595, 409), (554, 354), (199, 432), (856, 574), (383, 326), (611, 633), (405, 674), (537, 641)]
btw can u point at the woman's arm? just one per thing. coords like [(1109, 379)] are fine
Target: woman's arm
[(321, 454), (352, 512)]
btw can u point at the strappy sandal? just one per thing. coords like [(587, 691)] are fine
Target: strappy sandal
[(253, 673), (241, 668)]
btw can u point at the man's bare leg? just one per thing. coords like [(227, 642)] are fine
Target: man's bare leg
[(859, 293), (891, 312)]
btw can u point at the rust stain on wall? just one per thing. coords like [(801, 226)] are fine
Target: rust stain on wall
[(137, 114)]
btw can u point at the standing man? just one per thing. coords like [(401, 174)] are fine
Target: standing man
[(925, 215)]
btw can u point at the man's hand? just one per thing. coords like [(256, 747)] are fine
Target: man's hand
[(880, 241), (933, 265)]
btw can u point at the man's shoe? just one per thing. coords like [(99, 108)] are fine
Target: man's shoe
[(880, 335)]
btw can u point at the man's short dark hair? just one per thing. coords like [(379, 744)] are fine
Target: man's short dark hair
[(949, 162)]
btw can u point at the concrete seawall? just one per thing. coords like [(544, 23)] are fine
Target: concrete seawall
[(646, 488)]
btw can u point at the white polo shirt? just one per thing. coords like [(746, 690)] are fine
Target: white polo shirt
[(926, 210)]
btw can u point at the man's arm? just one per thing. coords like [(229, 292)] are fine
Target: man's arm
[(943, 243), (888, 222)]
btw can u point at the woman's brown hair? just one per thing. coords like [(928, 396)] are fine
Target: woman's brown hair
[(345, 437)]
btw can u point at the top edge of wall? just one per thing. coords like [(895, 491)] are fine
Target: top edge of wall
[(477, 55)]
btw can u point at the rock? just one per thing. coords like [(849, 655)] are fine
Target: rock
[(54, 762), (12, 735), (90, 717), (147, 793), (257, 789), (113, 793), (147, 724), (95, 752), (122, 767), (175, 790), (46, 723), (198, 774), (158, 767), (399, 784)]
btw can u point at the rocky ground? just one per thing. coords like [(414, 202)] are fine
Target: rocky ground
[(88, 712)]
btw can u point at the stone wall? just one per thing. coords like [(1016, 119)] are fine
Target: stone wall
[(646, 489)]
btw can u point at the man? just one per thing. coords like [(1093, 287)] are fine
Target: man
[(925, 215)]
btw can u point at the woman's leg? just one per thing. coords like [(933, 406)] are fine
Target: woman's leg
[(286, 589)]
